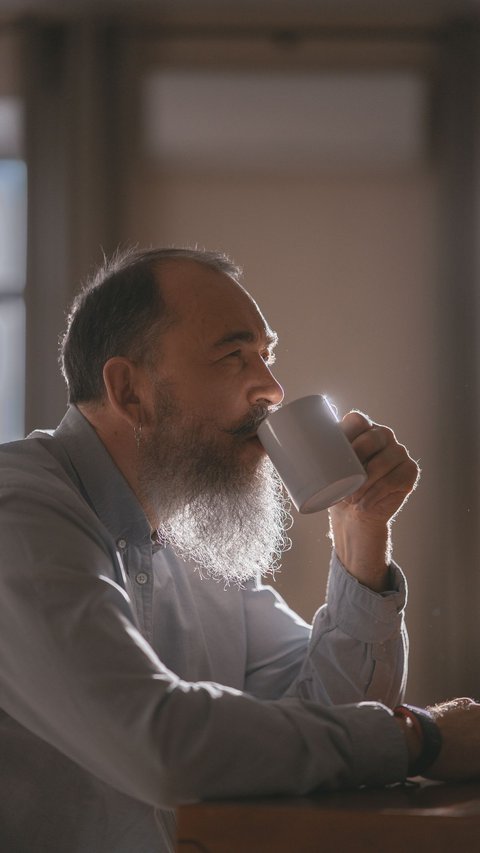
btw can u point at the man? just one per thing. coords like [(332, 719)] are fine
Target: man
[(131, 680)]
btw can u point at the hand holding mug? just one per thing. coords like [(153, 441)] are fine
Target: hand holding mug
[(358, 468), (360, 524)]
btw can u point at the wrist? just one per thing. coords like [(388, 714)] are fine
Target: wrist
[(423, 737), (363, 547)]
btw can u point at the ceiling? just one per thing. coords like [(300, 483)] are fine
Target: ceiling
[(247, 13)]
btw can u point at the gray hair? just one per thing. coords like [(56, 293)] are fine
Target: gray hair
[(121, 312)]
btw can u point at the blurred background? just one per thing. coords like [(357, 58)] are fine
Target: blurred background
[(332, 148)]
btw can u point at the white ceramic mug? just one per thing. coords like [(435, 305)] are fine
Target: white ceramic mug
[(312, 454)]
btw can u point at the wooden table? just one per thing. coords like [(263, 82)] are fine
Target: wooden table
[(428, 817)]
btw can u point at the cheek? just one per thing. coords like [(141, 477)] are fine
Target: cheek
[(213, 395), (216, 401)]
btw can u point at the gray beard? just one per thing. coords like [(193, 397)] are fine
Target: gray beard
[(228, 517)]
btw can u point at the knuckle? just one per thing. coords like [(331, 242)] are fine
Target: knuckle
[(354, 424), (390, 438), (360, 417), (412, 468)]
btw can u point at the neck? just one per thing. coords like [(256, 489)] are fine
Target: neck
[(118, 436)]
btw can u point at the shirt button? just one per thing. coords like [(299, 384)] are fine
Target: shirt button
[(122, 544), (141, 578)]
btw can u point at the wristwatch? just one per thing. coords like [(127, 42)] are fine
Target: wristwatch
[(428, 732)]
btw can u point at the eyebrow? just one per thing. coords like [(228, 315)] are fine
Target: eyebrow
[(244, 336)]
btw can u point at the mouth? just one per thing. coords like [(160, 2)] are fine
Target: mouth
[(249, 444), (252, 440), (247, 430)]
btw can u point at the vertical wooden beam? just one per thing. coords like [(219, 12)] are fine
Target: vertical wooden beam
[(74, 77), (48, 269), (458, 153)]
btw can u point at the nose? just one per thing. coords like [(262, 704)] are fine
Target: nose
[(265, 387)]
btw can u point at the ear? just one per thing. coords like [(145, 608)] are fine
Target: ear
[(124, 388)]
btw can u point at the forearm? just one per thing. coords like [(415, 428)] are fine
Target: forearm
[(122, 716), (363, 547)]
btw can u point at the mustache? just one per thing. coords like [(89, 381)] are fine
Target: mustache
[(248, 425)]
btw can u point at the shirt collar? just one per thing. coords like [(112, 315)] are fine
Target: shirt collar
[(102, 483)]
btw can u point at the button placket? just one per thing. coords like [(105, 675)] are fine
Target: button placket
[(142, 578)]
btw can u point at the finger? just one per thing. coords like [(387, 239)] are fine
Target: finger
[(384, 462), (354, 424), (391, 472), (379, 450), (379, 453), (393, 487), (372, 442)]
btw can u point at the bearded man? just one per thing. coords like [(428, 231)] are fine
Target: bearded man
[(130, 679)]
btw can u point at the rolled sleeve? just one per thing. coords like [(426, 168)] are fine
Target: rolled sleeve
[(359, 612), (359, 644)]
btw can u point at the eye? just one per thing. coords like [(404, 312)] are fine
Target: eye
[(235, 354), (269, 357)]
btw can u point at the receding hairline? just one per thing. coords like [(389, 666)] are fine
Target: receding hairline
[(171, 293), (178, 256)]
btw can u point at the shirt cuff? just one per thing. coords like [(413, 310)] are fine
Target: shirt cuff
[(383, 757), (369, 616)]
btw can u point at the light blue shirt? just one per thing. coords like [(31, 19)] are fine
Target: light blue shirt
[(129, 684)]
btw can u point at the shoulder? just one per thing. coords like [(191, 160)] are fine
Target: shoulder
[(36, 486), (33, 463)]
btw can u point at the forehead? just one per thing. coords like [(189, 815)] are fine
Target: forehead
[(209, 304)]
